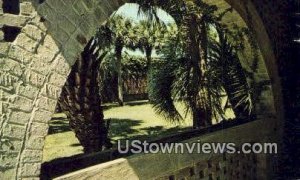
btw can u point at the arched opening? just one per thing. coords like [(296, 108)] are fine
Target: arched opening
[(259, 73), (122, 124)]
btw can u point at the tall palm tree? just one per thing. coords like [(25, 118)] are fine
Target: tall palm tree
[(120, 28), (144, 36), (148, 37), (200, 93)]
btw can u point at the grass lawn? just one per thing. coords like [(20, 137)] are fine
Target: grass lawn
[(135, 120)]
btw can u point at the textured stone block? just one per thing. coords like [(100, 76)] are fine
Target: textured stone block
[(72, 15), (26, 42), (28, 91), (70, 57), (10, 144), (1, 35), (87, 29), (8, 173), (32, 156), (11, 66), (14, 131), (93, 22), (19, 117), (106, 6), (13, 20), (59, 34), (34, 78), (100, 14), (47, 104), (58, 5), (38, 21), (40, 64), (57, 79), (51, 91), (8, 81), (47, 12), (9, 159), (65, 24), (21, 103), (39, 129), (42, 116), (73, 46), (50, 43), (26, 8), (80, 7), (4, 48), (20, 54), (33, 32), (30, 169), (35, 142), (45, 54), (31, 178), (61, 66), (89, 4)]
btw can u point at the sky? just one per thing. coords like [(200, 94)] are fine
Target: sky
[(130, 10)]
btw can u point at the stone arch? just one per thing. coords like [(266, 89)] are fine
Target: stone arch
[(53, 34), (34, 67), (251, 16)]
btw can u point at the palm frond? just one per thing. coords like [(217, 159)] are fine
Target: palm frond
[(233, 77), (160, 88)]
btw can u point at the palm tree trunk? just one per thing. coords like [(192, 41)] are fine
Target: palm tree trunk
[(203, 48), (80, 98), (118, 51), (148, 56), (198, 114), (148, 50), (198, 110)]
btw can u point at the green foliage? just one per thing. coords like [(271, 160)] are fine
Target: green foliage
[(230, 73), (132, 68), (199, 63), (144, 36), (221, 73), (160, 90)]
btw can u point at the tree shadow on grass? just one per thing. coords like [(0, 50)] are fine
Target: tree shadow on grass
[(58, 125), (123, 128), (157, 132), (127, 129), (137, 103), (75, 145), (109, 106)]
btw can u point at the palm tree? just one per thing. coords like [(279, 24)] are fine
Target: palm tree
[(120, 27), (80, 95), (194, 85), (144, 36), (148, 37)]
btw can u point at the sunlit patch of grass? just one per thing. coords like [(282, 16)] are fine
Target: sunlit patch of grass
[(135, 120)]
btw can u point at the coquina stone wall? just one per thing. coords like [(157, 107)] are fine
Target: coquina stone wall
[(40, 41), (195, 164)]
